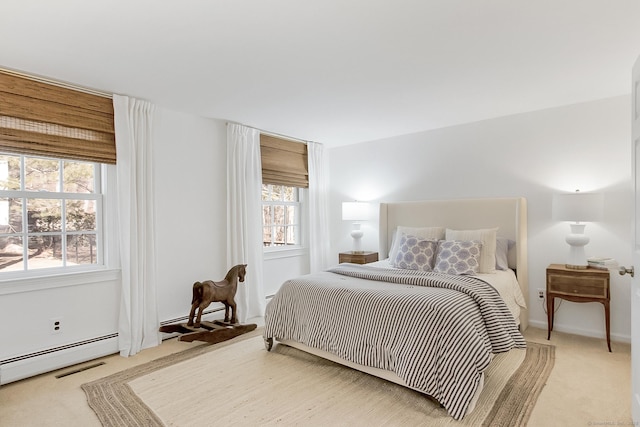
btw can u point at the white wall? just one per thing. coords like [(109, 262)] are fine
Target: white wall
[(280, 267), (87, 309), (534, 155), (190, 160)]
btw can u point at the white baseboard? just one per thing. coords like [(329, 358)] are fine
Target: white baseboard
[(578, 331), (46, 361)]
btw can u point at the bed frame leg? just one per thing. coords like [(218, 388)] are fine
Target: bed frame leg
[(268, 343)]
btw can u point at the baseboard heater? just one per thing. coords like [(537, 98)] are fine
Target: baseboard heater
[(36, 363), (39, 362)]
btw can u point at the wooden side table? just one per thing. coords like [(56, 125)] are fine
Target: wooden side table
[(357, 257), (588, 285)]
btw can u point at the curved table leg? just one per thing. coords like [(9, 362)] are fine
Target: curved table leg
[(607, 323), (549, 316)]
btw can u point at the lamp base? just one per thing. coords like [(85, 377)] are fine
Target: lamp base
[(577, 241), (357, 234)]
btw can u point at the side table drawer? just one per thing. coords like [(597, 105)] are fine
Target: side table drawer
[(587, 286), (358, 258)]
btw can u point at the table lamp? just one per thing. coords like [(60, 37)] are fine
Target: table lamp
[(356, 212), (578, 208)]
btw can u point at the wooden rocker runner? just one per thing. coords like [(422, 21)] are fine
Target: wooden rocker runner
[(211, 332), (204, 293)]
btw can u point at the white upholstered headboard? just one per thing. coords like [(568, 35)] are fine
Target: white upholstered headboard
[(508, 214)]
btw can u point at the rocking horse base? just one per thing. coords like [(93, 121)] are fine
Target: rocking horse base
[(211, 332)]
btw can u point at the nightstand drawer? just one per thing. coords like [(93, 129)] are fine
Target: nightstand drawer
[(586, 286), (358, 258)]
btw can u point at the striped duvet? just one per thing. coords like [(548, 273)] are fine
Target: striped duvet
[(437, 332)]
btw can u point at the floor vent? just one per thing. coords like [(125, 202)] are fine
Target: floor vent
[(84, 368)]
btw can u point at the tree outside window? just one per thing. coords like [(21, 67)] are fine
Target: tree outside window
[(280, 216), (48, 213)]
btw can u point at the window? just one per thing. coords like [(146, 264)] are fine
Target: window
[(284, 176), (280, 216), (54, 141), (49, 214)]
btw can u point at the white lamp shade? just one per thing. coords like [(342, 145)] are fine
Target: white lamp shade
[(355, 211), (578, 207)]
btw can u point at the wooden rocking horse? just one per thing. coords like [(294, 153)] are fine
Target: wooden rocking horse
[(204, 293)]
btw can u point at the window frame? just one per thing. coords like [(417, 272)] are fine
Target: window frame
[(97, 195), (298, 206)]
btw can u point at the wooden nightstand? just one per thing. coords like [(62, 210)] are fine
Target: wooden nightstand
[(588, 285), (357, 258)]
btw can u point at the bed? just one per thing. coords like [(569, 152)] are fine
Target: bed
[(435, 332)]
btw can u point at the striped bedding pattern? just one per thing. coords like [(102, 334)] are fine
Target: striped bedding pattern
[(435, 331)]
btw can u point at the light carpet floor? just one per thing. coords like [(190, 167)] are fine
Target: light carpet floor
[(588, 386), (241, 384)]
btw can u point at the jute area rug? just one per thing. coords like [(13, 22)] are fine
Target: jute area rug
[(239, 383)]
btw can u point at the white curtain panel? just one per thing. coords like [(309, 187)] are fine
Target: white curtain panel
[(138, 324), (320, 257), (244, 217)]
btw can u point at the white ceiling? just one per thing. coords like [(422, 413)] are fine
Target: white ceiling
[(332, 71)]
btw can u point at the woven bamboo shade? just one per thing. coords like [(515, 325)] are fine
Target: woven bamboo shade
[(284, 162), (38, 118)]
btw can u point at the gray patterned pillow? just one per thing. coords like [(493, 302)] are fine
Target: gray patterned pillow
[(458, 257), (415, 253)]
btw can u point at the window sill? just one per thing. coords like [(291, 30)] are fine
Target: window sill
[(30, 284), (284, 253)]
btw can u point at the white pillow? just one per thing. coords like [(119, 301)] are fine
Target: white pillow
[(503, 246), (431, 233), (488, 238)]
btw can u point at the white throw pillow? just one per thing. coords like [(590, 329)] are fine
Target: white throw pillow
[(488, 238)]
